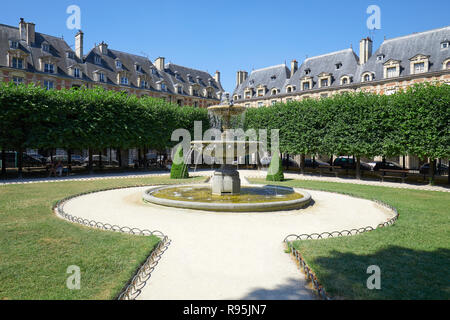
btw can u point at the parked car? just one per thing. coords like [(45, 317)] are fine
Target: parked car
[(441, 169), (350, 163), (310, 163), (76, 159), (96, 160), (27, 160), (386, 165)]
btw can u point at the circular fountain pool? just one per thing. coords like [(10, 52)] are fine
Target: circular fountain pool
[(255, 198)]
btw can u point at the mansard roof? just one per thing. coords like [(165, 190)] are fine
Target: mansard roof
[(404, 48), (274, 77)]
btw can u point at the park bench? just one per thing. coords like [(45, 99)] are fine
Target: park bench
[(329, 170), (393, 174)]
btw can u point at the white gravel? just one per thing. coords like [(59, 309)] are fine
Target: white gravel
[(227, 255)]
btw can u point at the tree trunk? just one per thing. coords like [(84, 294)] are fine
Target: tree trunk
[(90, 162), (69, 161), (100, 160), (302, 163), (448, 178), (358, 168), (331, 162), (432, 171), (3, 164), (404, 162), (287, 162), (119, 157), (20, 163), (139, 158)]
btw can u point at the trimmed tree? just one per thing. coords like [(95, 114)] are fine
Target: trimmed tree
[(275, 172), (179, 168)]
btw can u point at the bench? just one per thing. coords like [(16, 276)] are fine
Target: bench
[(329, 170), (393, 174)]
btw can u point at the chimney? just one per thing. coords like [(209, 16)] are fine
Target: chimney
[(160, 63), (103, 48), (23, 29), (79, 37), (294, 67), (365, 50), (241, 77), (217, 77)]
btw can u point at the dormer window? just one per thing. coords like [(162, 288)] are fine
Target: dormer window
[(163, 87), (308, 71), (119, 64), (324, 79), (274, 92), (419, 63), (101, 77), (45, 47), (154, 72), (138, 68), (273, 78), (380, 58), (14, 45), (97, 60), (49, 68), (124, 81), (445, 44), (180, 90), (144, 84), (338, 65), (76, 73), (70, 55), (17, 63), (306, 86), (345, 80), (392, 68), (367, 76), (324, 83)]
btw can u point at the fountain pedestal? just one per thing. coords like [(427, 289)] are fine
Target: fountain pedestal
[(226, 181)]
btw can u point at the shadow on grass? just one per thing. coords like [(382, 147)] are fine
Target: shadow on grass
[(405, 274)]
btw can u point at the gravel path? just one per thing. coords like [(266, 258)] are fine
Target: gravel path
[(236, 256), (244, 173)]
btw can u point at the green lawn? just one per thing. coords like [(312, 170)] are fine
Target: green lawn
[(36, 247), (414, 254)]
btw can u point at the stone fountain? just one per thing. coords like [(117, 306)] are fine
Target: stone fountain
[(225, 194)]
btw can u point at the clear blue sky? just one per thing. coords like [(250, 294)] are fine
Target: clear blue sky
[(229, 35)]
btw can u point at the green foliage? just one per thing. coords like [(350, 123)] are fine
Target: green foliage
[(275, 171), (33, 117), (179, 168), (415, 122)]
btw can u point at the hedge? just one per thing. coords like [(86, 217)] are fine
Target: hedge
[(411, 122)]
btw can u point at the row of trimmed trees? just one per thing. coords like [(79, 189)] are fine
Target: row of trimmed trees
[(412, 122), (88, 119)]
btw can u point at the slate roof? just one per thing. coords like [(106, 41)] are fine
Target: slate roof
[(271, 77), (326, 63), (404, 48), (88, 65)]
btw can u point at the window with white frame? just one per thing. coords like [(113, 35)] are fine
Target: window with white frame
[(247, 105), (49, 68), (306, 86), (324, 83), (14, 45), (163, 87), (154, 72), (419, 67), (48, 84), (118, 64), (445, 44), (448, 65), (76, 73), (17, 63), (260, 104), (144, 84), (70, 55), (180, 90), (101, 77), (97, 60), (45, 47), (260, 92), (18, 80), (391, 72), (274, 92), (124, 80), (274, 102)]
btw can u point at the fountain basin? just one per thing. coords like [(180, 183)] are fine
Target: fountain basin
[(251, 199)]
